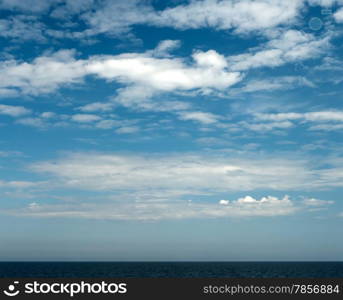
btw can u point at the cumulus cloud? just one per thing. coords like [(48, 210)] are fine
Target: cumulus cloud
[(46, 73), (165, 74)]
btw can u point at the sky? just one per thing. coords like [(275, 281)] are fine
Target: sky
[(171, 130)]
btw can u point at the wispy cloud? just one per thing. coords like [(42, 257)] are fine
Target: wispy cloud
[(154, 211), (13, 111), (191, 173)]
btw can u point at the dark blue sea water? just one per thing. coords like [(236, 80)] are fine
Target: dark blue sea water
[(173, 269)]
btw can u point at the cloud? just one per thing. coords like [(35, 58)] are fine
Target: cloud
[(108, 124), (22, 28), (329, 120), (44, 74), (316, 202), (34, 6), (165, 74), (127, 129), (241, 16), (117, 18), (69, 8), (96, 106), (272, 84), (338, 15), (10, 153), (47, 73), (13, 111), (165, 47), (327, 127), (266, 126), (85, 118), (198, 116), (17, 184), (192, 174), (289, 46), (34, 122), (161, 210), (143, 98), (224, 202), (316, 116), (47, 115)]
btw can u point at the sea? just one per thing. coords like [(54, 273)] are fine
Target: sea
[(172, 269)]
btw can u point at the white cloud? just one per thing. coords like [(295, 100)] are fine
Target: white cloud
[(193, 174), (328, 120), (34, 122), (47, 115), (326, 127), (108, 124), (22, 28), (316, 116), (85, 118), (127, 129), (224, 202), (17, 184), (241, 16), (142, 98), (118, 17), (316, 202), (35, 6), (272, 84), (165, 74), (44, 74), (165, 47), (160, 210), (266, 126), (338, 15), (139, 72), (13, 111), (290, 46), (96, 106), (202, 117)]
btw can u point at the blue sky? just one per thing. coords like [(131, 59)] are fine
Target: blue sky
[(171, 130)]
